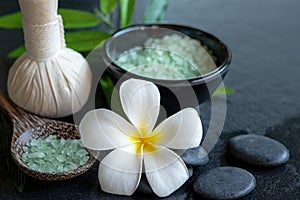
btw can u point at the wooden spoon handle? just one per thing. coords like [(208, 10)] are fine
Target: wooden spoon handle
[(19, 117)]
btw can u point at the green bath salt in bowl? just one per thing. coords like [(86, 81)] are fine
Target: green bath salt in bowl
[(186, 63), (171, 57)]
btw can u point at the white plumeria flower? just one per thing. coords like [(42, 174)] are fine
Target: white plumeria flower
[(135, 144)]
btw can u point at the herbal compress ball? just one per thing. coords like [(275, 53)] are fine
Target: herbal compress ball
[(48, 79)]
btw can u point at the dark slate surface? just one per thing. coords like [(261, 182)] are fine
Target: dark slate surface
[(263, 37)]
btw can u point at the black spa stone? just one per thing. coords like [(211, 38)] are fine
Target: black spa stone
[(258, 150), (195, 156), (191, 171), (225, 183)]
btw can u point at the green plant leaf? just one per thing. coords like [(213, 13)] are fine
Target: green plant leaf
[(106, 20), (156, 11), (126, 12), (221, 90), (84, 41), (81, 41), (11, 21), (78, 18), (111, 95), (72, 19), (17, 52), (107, 6), (107, 88)]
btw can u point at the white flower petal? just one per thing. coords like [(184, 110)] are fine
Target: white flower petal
[(141, 102), (104, 130), (182, 130), (165, 171), (120, 171)]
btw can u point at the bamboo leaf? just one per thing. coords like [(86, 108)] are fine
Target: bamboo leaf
[(85, 40), (72, 19), (111, 95), (106, 20), (11, 21), (221, 90), (126, 12), (107, 88), (78, 18), (107, 6), (81, 41), (17, 52), (156, 11)]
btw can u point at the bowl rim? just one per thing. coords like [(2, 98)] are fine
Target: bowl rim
[(205, 78)]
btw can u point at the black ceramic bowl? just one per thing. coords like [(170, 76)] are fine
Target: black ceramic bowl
[(175, 94)]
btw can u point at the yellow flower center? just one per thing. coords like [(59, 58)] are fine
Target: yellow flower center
[(145, 144)]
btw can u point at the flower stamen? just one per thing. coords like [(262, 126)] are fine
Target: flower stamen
[(145, 144)]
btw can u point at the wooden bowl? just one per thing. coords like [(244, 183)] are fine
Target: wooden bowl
[(27, 127)]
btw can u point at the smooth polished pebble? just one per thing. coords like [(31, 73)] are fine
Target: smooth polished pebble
[(258, 150), (191, 171), (225, 183), (195, 156)]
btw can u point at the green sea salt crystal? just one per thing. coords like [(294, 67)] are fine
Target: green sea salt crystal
[(33, 142), (81, 153), (60, 158), (84, 160), (52, 155), (171, 57)]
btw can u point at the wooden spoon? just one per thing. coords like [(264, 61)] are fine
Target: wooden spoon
[(27, 126)]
